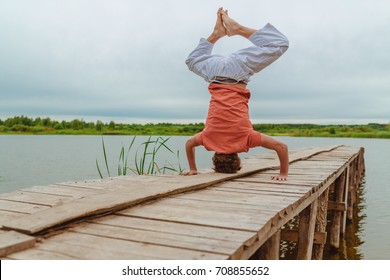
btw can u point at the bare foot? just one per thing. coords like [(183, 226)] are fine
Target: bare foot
[(232, 27), (219, 28)]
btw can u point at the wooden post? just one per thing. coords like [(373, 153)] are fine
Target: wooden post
[(345, 200), (321, 221), (352, 189), (307, 221), (334, 233), (270, 249)]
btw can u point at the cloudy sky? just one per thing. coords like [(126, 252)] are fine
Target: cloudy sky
[(124, 59)]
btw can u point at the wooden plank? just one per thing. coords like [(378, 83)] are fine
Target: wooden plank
[(267, 179), (254, 198), (249, 187), (220, 207), (20, 207), (204, 217), (38, 254), (11, 242), (71, 191), (178, 228), (302, 177), (36, 198), (264, 191), (292, 235), (231, 248), (6, 216), (86, 246), (239, 201), (336, 206)]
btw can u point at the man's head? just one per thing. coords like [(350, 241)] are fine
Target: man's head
[(226, 163)]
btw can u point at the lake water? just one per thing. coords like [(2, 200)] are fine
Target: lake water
[(27, 161)]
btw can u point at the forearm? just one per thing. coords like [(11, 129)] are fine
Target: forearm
[(190, 151), (283, 159)]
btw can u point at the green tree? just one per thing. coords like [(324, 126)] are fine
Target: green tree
[(99, 125), (76, 124), (46, 122)]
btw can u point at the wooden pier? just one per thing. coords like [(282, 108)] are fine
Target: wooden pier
[(208, 216)]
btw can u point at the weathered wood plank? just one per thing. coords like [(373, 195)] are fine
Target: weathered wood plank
[(265, 192), (86, 246), (6, 216), (38, 254), (178, 228), (249, 187), (36, 198), (292, 235), (11, 242), (242, 197), (71, 191), (232, 248), (20, 207), (220, 207), (205, 217), (336, 206), (267, 179)]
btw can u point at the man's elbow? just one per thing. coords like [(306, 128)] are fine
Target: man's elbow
[(191, 143), (281, 148)]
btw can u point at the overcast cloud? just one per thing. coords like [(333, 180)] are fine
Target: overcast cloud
[(124, 59)]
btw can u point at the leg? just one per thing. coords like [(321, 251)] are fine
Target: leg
[(219, 29), (282, 151), (234, 28)]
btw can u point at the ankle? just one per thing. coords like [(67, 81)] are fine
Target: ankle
[(214, 37)]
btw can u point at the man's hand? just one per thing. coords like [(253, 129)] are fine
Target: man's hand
[(279, 178), (190, 172)]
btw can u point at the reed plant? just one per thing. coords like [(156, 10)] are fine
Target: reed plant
[(146, 158)]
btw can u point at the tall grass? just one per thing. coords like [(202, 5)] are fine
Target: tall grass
[(145, 158)]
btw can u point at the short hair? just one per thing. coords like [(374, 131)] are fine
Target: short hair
[(226, 163)]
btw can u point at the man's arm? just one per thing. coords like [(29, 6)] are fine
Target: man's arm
[(282, 150), (190, 151)]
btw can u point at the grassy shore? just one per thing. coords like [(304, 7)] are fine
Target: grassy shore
[(46, 126)]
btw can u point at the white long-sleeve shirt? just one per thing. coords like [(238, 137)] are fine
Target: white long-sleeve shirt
[(269, 44)]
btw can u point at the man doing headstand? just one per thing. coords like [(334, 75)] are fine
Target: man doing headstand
[(228, 129)]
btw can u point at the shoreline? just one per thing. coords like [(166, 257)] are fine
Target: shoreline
[(22, 125)]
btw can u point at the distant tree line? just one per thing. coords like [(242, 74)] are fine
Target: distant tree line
[(24, 124)]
